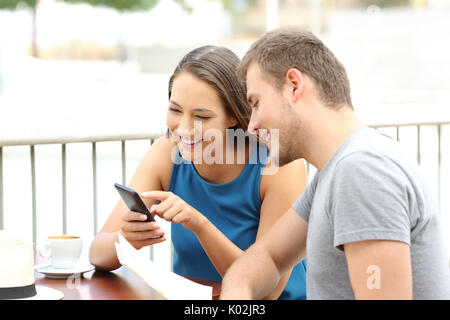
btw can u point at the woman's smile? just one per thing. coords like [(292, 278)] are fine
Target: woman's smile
[(190, 143)]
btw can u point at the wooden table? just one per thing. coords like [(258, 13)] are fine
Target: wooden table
[(120, 284)]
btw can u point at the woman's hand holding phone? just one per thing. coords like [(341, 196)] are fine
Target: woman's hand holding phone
[(138, 232), (140, 229)]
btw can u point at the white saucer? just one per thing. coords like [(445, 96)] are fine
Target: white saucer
[(58, 273)]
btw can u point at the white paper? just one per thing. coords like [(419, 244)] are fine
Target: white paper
[(168, 284)]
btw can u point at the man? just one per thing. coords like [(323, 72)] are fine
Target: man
[(367, 222)]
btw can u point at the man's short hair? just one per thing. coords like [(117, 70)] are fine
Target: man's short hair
[(279, 50)]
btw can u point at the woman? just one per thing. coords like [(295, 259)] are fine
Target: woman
[(212, 190)]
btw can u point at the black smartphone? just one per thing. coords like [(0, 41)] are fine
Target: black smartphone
[(133, 200)]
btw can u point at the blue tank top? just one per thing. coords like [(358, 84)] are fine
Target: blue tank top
[(233, 207)]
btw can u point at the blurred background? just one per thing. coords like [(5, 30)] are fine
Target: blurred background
[(83, 90)]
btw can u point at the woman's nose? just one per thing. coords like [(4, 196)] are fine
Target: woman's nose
[(188, 127), (186, 124)]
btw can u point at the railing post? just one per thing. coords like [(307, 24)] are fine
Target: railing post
[(94, 184), (1, 191), (307, 170), (419, 157), (33, 192), (124, 163), (64, 187), (439, 127), (152, 253)]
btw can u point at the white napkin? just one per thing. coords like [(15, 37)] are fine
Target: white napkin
[(168, 284)]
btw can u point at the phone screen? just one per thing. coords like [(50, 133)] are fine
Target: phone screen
[(133, 200)]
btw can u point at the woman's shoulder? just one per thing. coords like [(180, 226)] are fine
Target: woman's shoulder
[(161, 150), (159, 157), (291, 175), (164, 144)]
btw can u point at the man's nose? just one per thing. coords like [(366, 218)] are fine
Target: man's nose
[(254, 125)]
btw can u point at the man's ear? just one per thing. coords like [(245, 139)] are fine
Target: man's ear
[(294, 83)]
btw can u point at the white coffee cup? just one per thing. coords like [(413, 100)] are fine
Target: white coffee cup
[(63, 251)]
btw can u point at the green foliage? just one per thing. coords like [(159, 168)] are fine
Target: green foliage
[(136, 5), (12, 4), (235, 6), (128, 5), (184, 5), (385, 3), (120, 5)]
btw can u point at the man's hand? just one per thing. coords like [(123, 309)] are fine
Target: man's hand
[(257, 271)]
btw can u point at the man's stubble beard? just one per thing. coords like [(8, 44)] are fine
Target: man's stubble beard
[(293, 137)]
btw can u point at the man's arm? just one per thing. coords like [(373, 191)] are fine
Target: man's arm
[(257, 271), (379, 269)]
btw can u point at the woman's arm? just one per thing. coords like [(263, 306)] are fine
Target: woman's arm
[(281, 191), (152, 174), (278, 193)]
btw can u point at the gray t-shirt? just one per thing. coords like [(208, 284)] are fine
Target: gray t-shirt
[(368, 191)]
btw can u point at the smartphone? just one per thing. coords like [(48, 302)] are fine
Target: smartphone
[(133, 200)]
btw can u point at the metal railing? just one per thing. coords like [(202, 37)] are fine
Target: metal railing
[(418, 126), (64, 141)]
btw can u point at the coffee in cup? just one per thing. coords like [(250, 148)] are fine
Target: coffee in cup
[(63, 251)]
